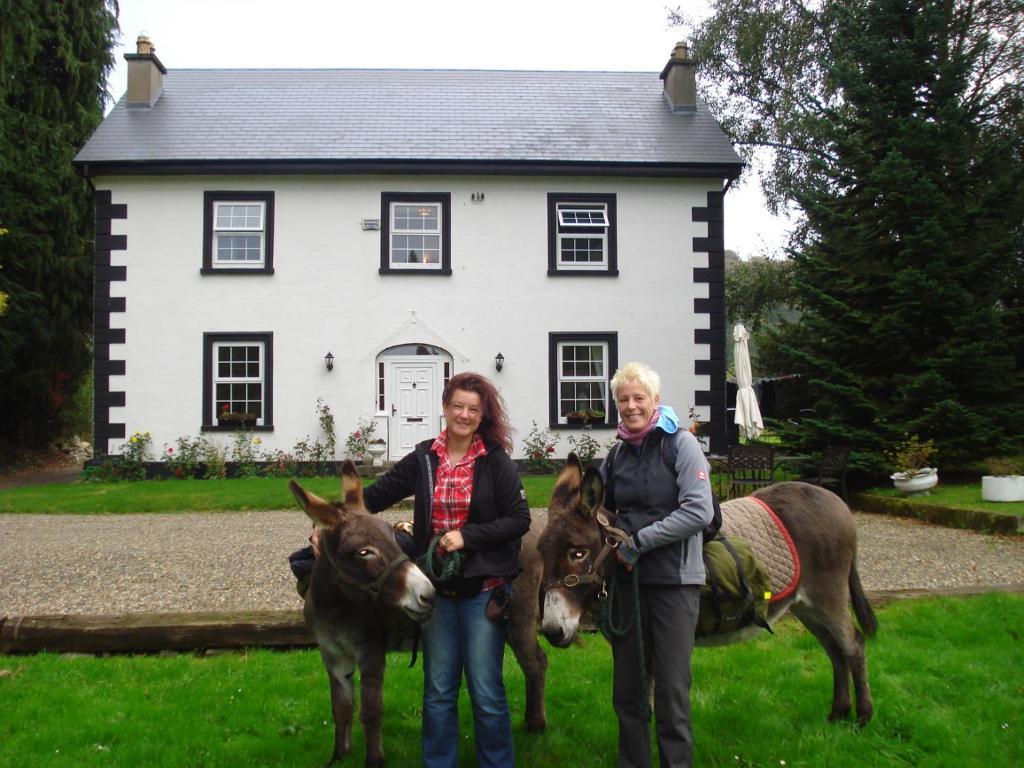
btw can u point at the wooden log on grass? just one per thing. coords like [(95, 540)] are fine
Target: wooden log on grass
[(146, 633)]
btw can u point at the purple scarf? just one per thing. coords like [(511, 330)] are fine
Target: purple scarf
[(636, 439)]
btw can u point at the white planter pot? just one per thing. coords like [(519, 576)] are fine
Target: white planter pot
[(1002, 488), (376, 450), (917, 483)]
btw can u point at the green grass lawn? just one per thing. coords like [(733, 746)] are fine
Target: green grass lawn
[(192, 495), (946, 677), (960, 495), (272, 493)]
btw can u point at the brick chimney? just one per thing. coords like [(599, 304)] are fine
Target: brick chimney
[(145, 74), (680, 80)]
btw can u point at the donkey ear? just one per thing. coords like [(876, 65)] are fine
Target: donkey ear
[(321, 512), (567, 487), (351, 485), (591, 493), (571, 473)]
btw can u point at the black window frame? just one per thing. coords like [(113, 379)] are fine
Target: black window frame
[(612, 257), (209, 423), (210, 199), (611, 338), (444, 199)]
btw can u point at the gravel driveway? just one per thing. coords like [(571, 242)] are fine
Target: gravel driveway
[(73, 564)]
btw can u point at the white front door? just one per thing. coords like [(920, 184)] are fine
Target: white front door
[(415, 405)]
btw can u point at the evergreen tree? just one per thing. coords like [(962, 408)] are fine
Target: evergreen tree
[(905, 160), (54, 59)]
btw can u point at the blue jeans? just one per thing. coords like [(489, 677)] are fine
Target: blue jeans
[(458, 637)]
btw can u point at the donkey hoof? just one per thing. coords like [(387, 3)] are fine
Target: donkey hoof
[(338, 758), (839, 714), (536, 726)]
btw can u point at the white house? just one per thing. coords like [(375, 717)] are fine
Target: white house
[(413, 223)]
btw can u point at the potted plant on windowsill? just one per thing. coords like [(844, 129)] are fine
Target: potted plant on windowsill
[(1005, 479), (243, 418), (585, 416), (913, 476)]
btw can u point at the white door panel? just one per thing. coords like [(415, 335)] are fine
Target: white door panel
[(415, 403)]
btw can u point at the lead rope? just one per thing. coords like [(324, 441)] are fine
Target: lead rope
[(612, 630), (452, 564)]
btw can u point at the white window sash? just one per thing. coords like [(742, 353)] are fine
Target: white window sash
[(259, 205), (258, 379), (601, 214), (563, 261), (230, 230), (574, 379), (433, 232)]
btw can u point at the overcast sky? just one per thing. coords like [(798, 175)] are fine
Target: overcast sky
[(613, 35)]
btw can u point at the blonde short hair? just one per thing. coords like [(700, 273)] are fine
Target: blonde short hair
[(640, 373)]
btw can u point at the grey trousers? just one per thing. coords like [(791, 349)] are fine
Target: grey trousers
[(668, 618)]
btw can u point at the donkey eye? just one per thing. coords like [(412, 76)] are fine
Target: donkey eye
[(579, 554)]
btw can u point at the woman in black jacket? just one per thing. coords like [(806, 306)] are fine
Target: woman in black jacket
[(467, 492)]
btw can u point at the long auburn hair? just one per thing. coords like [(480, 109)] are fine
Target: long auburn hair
[(494, 424)]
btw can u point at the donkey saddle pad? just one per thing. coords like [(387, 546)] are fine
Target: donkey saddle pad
[(751, 519)]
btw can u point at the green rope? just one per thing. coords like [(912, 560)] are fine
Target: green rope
[(613, 629), (451, 565)]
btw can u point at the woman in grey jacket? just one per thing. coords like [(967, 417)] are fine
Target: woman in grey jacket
[(660, 486)]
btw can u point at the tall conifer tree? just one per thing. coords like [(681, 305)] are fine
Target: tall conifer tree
[(905, 160), (54, 60)]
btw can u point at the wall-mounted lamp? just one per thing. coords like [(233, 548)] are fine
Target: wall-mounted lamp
[(499, 362), (329, 359)]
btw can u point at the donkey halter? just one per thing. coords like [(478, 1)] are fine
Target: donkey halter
[(373, 588), (612, 538)]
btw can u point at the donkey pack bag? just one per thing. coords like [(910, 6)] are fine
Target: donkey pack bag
[(737, 590)]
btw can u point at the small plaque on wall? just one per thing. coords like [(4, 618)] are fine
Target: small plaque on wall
[(371, 224)]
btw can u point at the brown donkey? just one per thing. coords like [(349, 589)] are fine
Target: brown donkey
[(823, 533), (366, 597)]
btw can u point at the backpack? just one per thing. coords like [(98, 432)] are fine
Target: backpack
[(737, 591), (668, 455)]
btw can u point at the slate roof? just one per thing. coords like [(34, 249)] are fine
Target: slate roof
[(289, 116)]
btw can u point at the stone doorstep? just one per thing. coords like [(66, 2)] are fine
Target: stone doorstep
[(204, 632), (950, 517)]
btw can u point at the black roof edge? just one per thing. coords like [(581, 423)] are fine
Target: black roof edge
[(444, 167)]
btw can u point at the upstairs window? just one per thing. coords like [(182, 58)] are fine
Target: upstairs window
[(581, 234), (238, 232), (416, 233)]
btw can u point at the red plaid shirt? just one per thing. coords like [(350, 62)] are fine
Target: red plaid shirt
[(453, 490)]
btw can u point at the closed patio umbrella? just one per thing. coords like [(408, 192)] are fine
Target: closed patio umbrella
[(748, 413)]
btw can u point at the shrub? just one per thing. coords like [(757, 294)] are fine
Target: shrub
[(538, 447), (311, 458), (183, 462), (245, 454), (129, 465), (1004, 466), (357, 440), (215, 460), (585, 446), (279, 464), (912, 455)]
